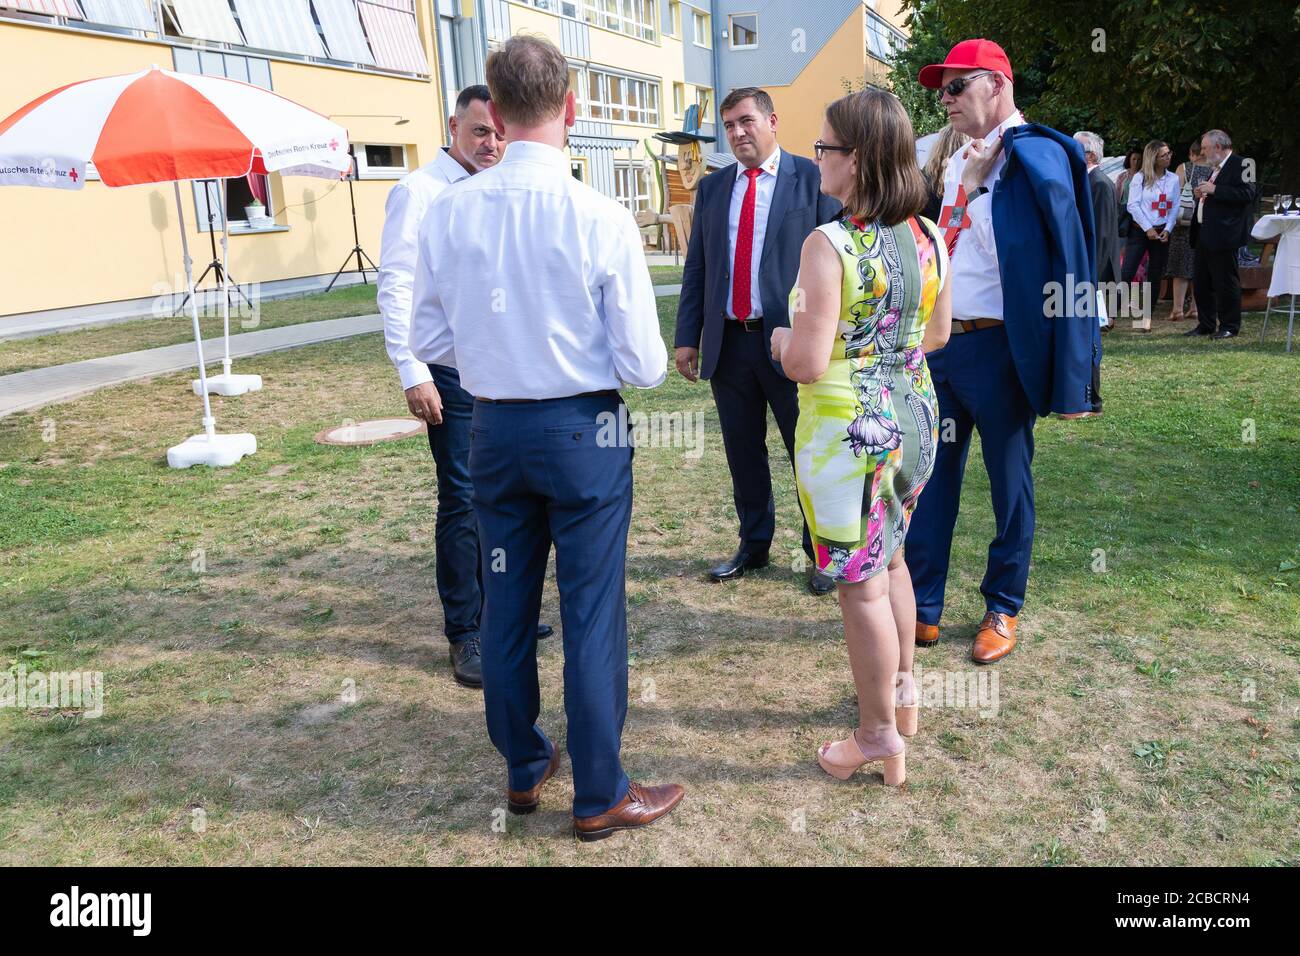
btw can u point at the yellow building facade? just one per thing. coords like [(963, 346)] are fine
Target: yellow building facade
[(807, 54), (101, 245), (636, 67)]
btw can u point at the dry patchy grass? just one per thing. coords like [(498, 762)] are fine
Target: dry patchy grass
[(226, 688)]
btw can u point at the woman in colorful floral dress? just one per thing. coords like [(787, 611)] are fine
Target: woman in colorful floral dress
[(871, 299)]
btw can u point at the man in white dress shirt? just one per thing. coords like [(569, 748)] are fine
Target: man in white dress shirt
[(433, 392), (535, 287)]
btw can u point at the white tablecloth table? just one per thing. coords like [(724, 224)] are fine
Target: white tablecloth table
[(1286, 266)]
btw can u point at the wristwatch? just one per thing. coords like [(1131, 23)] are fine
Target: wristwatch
[(974, 195)]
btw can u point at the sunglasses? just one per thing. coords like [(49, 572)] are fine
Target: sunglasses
[(956, 87), (820, 148)]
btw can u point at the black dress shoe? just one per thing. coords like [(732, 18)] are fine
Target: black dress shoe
[(466, 665), (819, 583), (1224, 334), (1196, 331), (740, 562), (544, 630)]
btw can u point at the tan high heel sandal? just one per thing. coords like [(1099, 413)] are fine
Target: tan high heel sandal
[(894, 766)]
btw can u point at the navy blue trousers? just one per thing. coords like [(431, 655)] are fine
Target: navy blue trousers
[(978, 388), (744, 386), (547, 473), (455, 536)]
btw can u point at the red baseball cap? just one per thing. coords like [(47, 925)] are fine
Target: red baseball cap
[(967, 55)]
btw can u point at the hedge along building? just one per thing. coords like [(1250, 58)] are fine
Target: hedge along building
[(806, 55), (368, 64)]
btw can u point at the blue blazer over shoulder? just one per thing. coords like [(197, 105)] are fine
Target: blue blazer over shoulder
[(1043, 227)]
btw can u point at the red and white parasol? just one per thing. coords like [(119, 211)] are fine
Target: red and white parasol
[(157, 126)]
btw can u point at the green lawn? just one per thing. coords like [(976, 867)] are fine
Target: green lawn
[(666, 275), (277, 689)]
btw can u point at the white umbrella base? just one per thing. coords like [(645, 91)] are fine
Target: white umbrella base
[(216, 451), (228, 384)]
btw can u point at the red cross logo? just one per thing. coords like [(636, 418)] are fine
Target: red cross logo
[(334, 145), (948, 218), (1162, 205), (73, 174)]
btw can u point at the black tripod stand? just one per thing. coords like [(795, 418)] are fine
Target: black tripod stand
[(215, 265), (356, 248)]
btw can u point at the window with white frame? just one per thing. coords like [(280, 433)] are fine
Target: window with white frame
[(621, 99), (632, 184), (883, 41), (701, 31), (380, 160), (674, 18), (679, 99), (743, 31), (636, 18)]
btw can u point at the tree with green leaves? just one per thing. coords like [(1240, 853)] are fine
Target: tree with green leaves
[(1134, 70)]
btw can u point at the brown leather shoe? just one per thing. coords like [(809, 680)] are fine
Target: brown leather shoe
[(926, 634), (641, 807), (525, 801), (996, 638)]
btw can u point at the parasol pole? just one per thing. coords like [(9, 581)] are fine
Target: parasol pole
[(225, 276), (209, 423)]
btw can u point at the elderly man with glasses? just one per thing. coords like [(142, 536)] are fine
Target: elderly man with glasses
[(1017, 219)]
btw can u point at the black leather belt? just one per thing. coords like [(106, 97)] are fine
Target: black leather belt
[(747, 325), (559, 398)]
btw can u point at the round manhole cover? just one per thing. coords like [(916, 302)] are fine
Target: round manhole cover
[(370, 431)]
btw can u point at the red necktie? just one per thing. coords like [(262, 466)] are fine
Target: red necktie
[(740, 303), (952, 226)]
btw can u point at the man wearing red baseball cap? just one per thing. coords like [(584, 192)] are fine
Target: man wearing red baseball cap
[(1011, 198)]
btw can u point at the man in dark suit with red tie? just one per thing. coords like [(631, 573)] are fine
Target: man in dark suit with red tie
[(750, 222)]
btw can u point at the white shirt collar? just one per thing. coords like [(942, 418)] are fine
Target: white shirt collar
[(769, 165), (450, 168), (528, 151)]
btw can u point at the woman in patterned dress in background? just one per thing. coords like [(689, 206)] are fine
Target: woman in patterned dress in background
[(871, 299)]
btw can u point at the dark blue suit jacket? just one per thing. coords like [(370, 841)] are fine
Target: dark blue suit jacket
[(798, 207), (1043, 226)]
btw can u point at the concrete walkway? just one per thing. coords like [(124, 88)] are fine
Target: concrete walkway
[(39, 387)]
